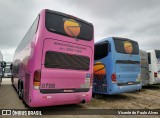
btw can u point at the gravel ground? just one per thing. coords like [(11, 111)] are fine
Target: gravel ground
[(147, 98)]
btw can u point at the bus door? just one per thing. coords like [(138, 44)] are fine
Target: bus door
[(127, 62), (150, 67), (100, 70)]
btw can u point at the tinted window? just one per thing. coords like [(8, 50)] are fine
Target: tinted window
[(119, 46), (100, 50), (55, 23), (157, 54), (66, 61), (29, 36)]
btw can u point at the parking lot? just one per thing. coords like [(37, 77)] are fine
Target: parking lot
[(147, 98)]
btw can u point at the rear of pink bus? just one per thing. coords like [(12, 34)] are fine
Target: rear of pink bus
[(62, 62)]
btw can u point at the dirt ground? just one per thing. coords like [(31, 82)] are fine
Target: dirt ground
[(147, 98)]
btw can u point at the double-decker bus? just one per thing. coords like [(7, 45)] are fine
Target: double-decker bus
[(154, 66), (116, 66), (144, 68), (53, 63)]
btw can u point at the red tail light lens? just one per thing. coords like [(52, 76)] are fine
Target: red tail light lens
[(36, 79), (155, 74), (113, 77)]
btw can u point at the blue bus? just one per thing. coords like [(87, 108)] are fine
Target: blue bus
[(116, 66)]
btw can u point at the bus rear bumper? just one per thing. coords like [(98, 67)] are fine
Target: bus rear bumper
[(40, 100), (157, 81), (145, 82), (124, 89)]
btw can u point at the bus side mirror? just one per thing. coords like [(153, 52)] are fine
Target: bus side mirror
[(3, 64)]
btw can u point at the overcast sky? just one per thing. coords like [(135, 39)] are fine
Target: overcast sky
[(135, 19)]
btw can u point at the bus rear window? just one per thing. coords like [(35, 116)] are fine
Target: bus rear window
[(157, 54), (100, 50), (72, 27), (66, 61), (126, 46)]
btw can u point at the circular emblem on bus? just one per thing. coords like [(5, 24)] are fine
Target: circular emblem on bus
[(128, 47), (99, 68), (71, 27)]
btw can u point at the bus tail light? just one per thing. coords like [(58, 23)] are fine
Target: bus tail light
[(113, 77), (36, 79), (155, 74)]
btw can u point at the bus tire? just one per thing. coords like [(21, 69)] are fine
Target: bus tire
[(20, 90), (12, 79), (22, 93), (19, 93)]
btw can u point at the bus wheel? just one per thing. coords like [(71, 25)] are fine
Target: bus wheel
[(12, 79), (20, 91), (19, 94)]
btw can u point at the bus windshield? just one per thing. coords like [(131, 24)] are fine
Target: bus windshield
[(7, 70), (157, 54), (126, 46), (71, 27)]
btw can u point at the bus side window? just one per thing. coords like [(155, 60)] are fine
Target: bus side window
[(101, 50), (29, 35), (15, 69), (149, 58)]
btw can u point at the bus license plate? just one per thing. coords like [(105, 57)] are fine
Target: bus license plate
[(130, 83)]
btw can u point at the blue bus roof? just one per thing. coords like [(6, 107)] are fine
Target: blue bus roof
[(111, 38)]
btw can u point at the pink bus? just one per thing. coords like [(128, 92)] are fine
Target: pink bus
[(53, 64)]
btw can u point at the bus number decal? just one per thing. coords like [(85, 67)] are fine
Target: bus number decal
[(48, 86)]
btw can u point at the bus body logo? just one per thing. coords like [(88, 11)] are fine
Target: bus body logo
[(72, 27), (128, 47), (99, 68)]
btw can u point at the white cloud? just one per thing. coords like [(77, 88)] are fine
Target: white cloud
[(137, 20)]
